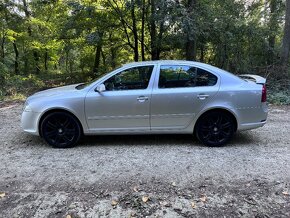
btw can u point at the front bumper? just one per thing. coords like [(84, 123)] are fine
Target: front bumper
[(29, 122)]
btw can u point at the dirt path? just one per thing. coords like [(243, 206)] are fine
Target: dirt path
[(180, 177)]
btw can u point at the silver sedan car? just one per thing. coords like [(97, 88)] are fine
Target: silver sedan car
[(155, 97)]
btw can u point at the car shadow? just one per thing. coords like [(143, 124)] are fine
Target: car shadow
[(240, 138)]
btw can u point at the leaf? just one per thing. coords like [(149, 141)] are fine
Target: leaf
[(114, 202), (135, 189), (145, 199), (193, 205), (173, 184), (203, 199), (285, 193), (2, 195)]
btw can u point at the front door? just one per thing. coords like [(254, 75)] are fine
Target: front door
[(124, 105)]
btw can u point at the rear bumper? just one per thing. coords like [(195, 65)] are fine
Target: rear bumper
[(258, 116), (247, 126), (29, 122)]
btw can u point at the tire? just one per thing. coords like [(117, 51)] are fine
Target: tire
[(60, 130), (215, 128)]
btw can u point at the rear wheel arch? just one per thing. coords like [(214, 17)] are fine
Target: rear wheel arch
[(222, 110)]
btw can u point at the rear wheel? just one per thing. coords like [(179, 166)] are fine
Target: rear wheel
[(215, 128), (60, 129)]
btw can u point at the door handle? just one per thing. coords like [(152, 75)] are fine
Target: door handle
[(202, 96), (142, 98)]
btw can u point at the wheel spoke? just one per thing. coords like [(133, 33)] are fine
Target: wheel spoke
[(66, 123), (225, 125), (65, 137), (224, 134), (205, 128), (219, 120), (57, 139), (70, 131), (216, 138), (51, 125), (51, 133)]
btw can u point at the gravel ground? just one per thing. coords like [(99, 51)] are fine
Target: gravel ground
[(138, 176)]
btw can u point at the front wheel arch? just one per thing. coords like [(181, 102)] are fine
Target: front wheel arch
[(57, 110)]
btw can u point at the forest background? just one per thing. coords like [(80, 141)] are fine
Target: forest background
[(47, 43)]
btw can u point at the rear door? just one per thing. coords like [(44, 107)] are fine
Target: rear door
[(179, 93)]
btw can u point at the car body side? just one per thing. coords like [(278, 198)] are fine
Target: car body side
[(239, 97)]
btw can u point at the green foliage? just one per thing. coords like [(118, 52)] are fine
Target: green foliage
[(48, 42), (279, 97), (22, 84)]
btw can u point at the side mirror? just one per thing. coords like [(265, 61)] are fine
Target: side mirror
[(101, 88)]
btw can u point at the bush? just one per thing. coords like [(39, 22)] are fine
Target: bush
[(279, 97), (20, 86)]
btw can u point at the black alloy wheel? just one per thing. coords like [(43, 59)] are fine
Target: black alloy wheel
[(215, 128), (60, 129)]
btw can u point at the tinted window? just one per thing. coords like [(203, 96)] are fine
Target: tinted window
[(133, 78), (184, 76)]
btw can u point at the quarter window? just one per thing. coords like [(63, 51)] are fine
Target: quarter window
[(133, 78), (184, 76)]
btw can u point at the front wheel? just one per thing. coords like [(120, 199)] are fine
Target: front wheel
[(60, 129), (215, 128)]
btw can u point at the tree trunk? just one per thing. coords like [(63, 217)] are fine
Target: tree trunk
[(153, 32), (97, 59), (135, 33), (2, 47), (35, 53), (98, 55), (190, 44), (45, 59), (143, 31), (286, 38), (201, 53), (16, 69), (273, 26)]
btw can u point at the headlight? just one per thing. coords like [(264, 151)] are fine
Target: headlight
[(26, 107)]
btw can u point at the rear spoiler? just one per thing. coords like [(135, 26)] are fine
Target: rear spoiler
[(255, 78)]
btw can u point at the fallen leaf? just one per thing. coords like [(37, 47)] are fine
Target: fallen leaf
[(135, 189), (164, 203), (68, 216), (285, 193), (114, 202), (173, 184), (2, 195), (193, 205), (203, 199), (145, 199)]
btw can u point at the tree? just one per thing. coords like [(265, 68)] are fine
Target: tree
[(190, 45), (286, 37)]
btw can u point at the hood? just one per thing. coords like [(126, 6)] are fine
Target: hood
[(55, 91)]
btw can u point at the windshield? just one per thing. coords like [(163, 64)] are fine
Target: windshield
[(84, 85)]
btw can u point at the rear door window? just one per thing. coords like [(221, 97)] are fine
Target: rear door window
[(175, 76)]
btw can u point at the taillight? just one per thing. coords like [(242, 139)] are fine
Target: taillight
[(264, 94)]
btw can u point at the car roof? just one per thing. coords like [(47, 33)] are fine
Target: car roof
[(180, 62)]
